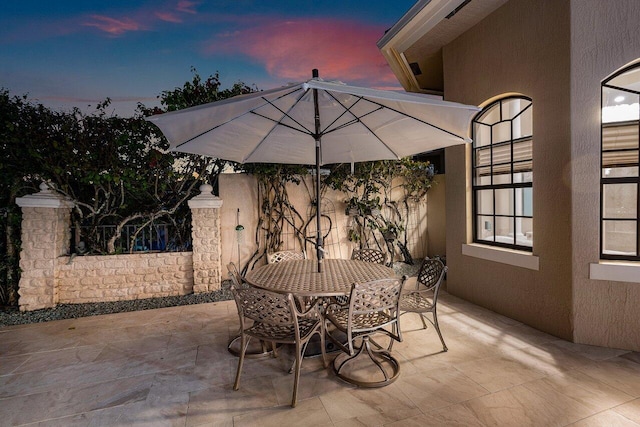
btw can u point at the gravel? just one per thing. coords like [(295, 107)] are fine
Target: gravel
[(12, 316)]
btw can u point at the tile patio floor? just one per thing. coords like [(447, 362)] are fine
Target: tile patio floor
[(170, 367)]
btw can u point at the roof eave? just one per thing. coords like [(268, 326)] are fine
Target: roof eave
[(419, 20)]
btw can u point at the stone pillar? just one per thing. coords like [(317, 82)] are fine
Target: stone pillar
[(46, 217), (205, 234)]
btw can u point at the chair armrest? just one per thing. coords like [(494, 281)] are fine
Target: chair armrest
[(311, 310)]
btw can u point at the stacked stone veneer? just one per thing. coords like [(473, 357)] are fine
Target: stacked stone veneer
[(50, 276), (45, 228), (123, 277), (205, 237)]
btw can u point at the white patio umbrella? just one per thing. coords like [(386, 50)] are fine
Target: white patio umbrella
[(317, 123)]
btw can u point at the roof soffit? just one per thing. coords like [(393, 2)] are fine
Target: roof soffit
[(425, 29)]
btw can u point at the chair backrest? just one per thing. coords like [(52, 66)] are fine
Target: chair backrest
[(369, 255), (377, 296), (280, 256), (234, 274), (431, 273), (264, 306)]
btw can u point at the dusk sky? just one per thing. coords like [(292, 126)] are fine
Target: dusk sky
[(68, 53)]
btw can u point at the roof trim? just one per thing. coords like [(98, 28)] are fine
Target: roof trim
[(419, 20)]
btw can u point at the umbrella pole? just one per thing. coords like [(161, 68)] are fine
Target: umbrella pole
[(319, 242), (319, 248)]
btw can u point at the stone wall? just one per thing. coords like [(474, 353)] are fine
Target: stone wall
[(123, 277), (51, 276)]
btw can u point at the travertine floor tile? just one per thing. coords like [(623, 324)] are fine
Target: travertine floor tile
[(308, 413), (630, 410), (59, 358), (439, 388), (618, 372), (11, 363), (64, 401), (607, 418), (576, 387), (171, 367), (518, 406), (499, 372), (220, 404), (452, 416), (590, 351), (369, 406)]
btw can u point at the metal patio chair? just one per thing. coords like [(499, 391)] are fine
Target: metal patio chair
[(369, 255), (273, 317), (280, 256), (261, 348), (424, 298), (372, 309)]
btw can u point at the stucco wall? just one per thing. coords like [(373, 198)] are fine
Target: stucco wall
[(437, 217), (239, 191), (522, 47), (603, 40)]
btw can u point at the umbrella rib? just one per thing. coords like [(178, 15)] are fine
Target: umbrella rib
[(238, 116), (305, 131), (356, 119), (277, 122), (346, 110), (395, 111)]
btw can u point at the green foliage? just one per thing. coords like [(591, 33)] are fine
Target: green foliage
[(198, 92), (377, 219), (116, 170)]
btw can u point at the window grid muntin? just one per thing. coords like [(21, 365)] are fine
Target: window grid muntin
[(496, 170), (618, 180)]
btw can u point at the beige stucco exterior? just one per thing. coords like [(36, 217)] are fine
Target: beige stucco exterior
[(557, 53), (520, 48), (603, 40)]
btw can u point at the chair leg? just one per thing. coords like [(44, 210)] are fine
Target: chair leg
[(437, 328), (294, 398), (243, 348), (424, 324), (377, 357), (323, 343)]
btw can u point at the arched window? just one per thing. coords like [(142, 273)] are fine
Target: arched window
[(503, 174), (619, 179)]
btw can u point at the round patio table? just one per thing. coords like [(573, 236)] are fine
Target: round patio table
[(301, 277)]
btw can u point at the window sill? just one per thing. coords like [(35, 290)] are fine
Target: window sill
[(615, 271), (505, 256)]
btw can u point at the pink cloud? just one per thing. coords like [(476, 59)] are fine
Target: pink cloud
[(114, 26), (169, 17), (142, 19), (290, 49), (187, 6)]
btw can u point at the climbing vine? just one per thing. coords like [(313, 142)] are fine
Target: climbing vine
[(376, 218), (378, 197), (276, 212)]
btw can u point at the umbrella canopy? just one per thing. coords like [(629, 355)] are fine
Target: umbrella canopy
[(317, 122)]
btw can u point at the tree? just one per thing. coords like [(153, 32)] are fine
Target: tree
[(116, 170), (16, 118)]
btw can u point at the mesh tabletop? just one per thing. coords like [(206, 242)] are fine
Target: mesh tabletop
[(301, 277)]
